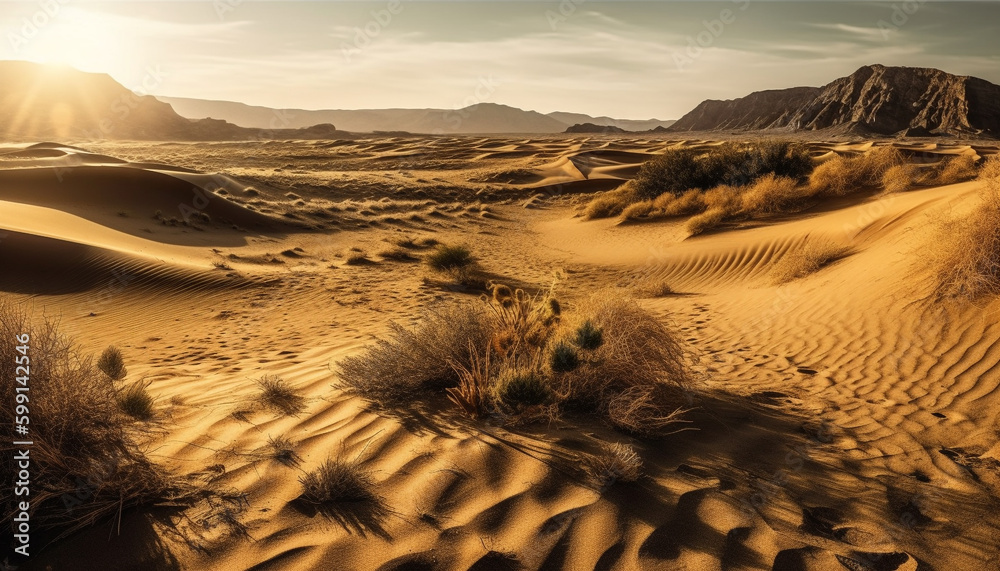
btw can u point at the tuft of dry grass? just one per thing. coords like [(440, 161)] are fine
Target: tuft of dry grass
[(357, 259), (661, 288), (705, 221), (615, 463), (899, 178), (610, 203), (970, 258), (956, 169), (841, 175), (770, 194), (112, 363), (411, 361), (335, 481), (79, 435), (135, 401), (282, 449), (397, 254), (807, 260), (277, 395)]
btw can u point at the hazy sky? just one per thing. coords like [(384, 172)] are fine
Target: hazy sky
[(624, 59)]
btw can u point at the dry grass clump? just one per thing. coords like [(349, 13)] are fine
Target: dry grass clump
[(842, 175), (511, 356), (336, 481), (410, 362), (957, 169), (610, 203), (661, 288), (277, 395), (770, 193), (663, 186), (615, 463), (135, 401), (357, 259), (282, 449), (970, 259), (112, 364), (450, 258), (397, 254), (806, 260), (899, 178), (86, 464), (705, 221)]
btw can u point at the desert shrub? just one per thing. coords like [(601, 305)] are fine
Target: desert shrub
[(733, 164), (336, 481), (357, 259), (522, 323), (840, 175), (563, 358), (639, 352), (638, 210), (770, 193), (688, 203), (112, 364), (989, 173), (135, 401), (645, 410), (397, 254), (282, 449), (276, 394), (610, 203), (705, 221), (588, 336), (806, 260), (614, 463), (653, 288), (899, 178), (517, 387), (450, 258), (956, 169), (79, 435), (970, 256), (488, 358), (411, 361), (724, 198)]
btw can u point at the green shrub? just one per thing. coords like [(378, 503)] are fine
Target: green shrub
[(563, 358), (588, 336)]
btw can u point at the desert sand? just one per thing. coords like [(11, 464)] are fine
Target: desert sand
[(844, 420)]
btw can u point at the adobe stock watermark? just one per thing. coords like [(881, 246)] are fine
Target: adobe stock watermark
[(31, 26), (563, 12), (223, 7), (713, 30), (365, 35), (901, 14)]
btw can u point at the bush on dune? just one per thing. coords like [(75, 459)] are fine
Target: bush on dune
[(671, 180), (806, 260), (970, 259), (79, 434), (957, 169), (842, 175), (509, 355)]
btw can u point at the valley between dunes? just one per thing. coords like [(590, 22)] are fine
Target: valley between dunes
[(849, 419)]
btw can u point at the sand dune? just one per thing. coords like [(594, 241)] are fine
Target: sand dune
[(847, 419)]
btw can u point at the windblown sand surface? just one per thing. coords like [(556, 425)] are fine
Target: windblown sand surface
[(847, 420)]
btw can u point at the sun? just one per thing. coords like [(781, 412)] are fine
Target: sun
[(77, 38)]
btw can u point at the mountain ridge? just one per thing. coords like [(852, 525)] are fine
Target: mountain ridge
[(875, 99)]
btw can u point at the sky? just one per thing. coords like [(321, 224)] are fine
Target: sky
[(633, 60)]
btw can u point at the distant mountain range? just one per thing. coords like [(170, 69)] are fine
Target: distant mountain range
[(43, 103), (874, 100), (39, 102), (479, 118)]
